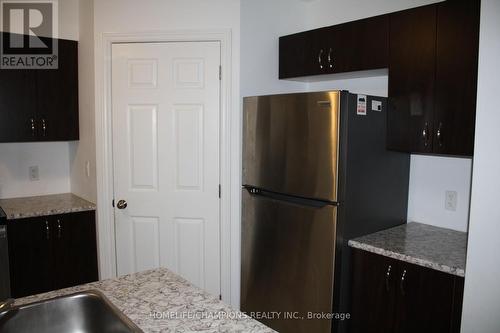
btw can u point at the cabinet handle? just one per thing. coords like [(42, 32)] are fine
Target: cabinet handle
[(387, 277), (439, 134), (425, 134), (44, 128), (59, 229), (47, 230), (330, 58), (402, 283), (319, 59), (32, 123)]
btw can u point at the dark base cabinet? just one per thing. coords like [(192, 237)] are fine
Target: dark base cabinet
[(389, 295), (51, 252)]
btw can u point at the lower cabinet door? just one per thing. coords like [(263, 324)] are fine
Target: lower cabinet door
[(389, 295), (373, 292), (75, 249), (424, 301), (29, 256)]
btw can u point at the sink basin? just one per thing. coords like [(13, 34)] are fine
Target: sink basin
[(83, 312)]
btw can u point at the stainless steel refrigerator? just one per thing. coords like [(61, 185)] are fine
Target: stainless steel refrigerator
[(316, 173)]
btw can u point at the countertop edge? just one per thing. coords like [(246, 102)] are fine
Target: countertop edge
[(49, 213), (406, 258), (44, 205)]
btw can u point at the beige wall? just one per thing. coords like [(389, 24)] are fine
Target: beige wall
[(82, 153)]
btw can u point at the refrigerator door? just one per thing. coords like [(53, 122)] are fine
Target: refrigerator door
[(290, 144), (287, 262)]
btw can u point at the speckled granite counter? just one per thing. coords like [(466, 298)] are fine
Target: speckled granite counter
[(44, 205), (160, 301), (421, 244)]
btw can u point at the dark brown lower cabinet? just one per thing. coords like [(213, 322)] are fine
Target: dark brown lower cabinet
[(51, 252), (389, 295)]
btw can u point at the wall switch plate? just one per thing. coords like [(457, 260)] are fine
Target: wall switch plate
[(450, 202), (87, 169), (34, 174)]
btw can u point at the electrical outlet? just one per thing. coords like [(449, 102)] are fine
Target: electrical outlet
[(450, 202), (34, 174)]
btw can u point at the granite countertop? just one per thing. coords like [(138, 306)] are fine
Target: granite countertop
[(421, 244), (161, 301), (44, 205)]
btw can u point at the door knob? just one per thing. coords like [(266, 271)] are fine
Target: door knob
[(122, 204)]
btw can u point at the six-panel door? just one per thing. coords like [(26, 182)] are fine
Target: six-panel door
[(166, 107)]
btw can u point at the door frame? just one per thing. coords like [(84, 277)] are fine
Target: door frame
[(104, 142)]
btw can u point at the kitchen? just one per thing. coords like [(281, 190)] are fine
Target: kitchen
[(250, 63)]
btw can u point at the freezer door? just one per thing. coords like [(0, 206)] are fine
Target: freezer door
[(287, 262), (290, 143)]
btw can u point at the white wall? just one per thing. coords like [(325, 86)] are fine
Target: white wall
[(481, 307), (68, 18), (263, 22), (174, 15), (51, 158), (430, 178), (83, 151)]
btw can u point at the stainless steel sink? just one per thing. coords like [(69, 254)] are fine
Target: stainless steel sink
[(83, 312)]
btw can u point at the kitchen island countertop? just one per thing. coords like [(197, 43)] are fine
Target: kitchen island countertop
[(161, 301), (420, 244)]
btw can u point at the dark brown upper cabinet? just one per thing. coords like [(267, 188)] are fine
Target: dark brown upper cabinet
[(433, 78), (431, 53), (411, 79), (41, 104), (457, 48), (349, 47)]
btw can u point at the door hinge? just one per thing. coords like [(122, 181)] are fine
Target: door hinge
[(220, 73), (220, 191), (113, 203)]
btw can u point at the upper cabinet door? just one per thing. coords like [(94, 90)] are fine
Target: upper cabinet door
[(348, 47), (17, 105), (57, 92), (412, 64), (360, 45), (456, 76), (293, 55)]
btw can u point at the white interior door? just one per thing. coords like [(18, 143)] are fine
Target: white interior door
[(165, 99)]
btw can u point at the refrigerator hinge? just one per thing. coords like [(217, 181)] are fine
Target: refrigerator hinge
[(220, 191), (220, 73), (220, 297)]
